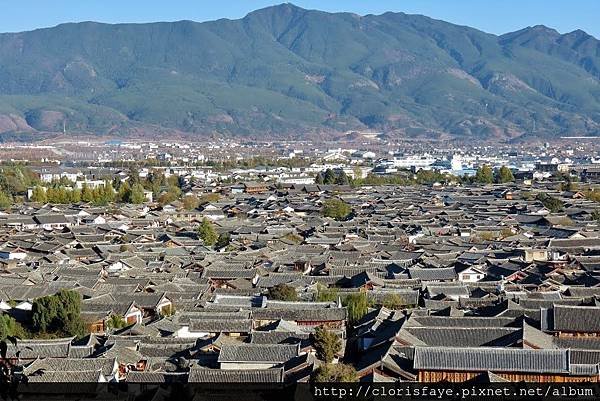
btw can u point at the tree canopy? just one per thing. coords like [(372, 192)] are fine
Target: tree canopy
[(335, 373), (283, 292), (336, 209), (207, 233), (326, 343), (332, 177), (59, 314), (358, 306), (484, 175), (551, 203), (504, 175)]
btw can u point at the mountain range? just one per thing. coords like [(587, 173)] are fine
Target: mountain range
[(284, 71)]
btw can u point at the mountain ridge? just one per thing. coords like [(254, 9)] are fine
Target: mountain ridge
[(286, 71)]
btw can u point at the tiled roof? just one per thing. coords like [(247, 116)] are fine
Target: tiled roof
[(492, 359), (258, 353)]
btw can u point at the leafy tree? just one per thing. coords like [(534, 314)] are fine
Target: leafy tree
[(335, 373), (59, 313), (326, 343), (155, 182), (283, 292), (69, 313), (116, 322), (44, 311), (15, 179), (332, 177), (593, 195), (5, 200), (505, 175), (209, 198), (207, 233), (75, 195), (430, 177), (484, 175), (104, 194), (293, 238), (326, 294), (167, 197), (134, 176), (223, 240), (342, 178), (393, 301), (168, 311), (358, 306), (39, 194), (136, 195), (329, 177), (336, 209), (190, 202), (596, 215), (551, 203), (124, 192), (9, 327), (87, 195)]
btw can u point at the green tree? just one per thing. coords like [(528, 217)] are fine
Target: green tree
[(505, 175), (393, 301), (39, 194), (484, 175), (358, 306), (190, 202), (133, 176), (327, 344), (209, 198), (9, 327), (554, 205), (124, 192), (341, 178), (223, 240), (116, 322), (283, 292), (593, 195), (207, 233), (5, 200), (596, 215), (68, 315), (326, 294), (335, 373), (104, 194), (15, 179), (87, 195), (75, 195), (137, 194), (329, 177), (44, 312), (336, 209), (59, 313)]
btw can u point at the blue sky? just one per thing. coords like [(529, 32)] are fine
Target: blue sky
[(495, 16)]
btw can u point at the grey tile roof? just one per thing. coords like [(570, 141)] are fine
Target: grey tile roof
[(105, 365), (576, 318), (313, 314), (221, 325), (198, 375), (467, 336), (265, 353), (443, 273), (492, 359)]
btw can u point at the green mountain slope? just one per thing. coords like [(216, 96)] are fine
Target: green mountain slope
[(287, 71)]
